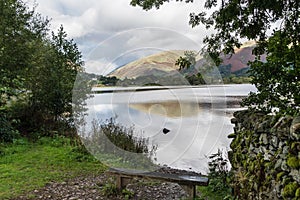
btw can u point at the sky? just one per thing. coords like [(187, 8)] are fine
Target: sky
[(111, 33)]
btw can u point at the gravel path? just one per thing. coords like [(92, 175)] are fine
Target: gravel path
[(91, 188)]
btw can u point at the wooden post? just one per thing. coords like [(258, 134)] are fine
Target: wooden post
[(190, 190), (122, 181)]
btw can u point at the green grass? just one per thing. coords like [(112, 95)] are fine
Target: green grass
[(208, 193), (25, 166)]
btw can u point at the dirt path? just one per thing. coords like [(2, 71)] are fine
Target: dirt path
[(91, 188)]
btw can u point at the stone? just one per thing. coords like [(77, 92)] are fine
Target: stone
[(278, 164), (282, 122), (263, 138), (281, 144), (284, 166), (267, 157), (263, 127), (295, 174), (285, 150), (274, 141), (295, 128)]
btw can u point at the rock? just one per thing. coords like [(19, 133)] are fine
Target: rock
[(284, 166), (278, 164), (295, 128), (281, 144), (267, 157), (263, 127), (283, 122), (263, 138), (274, 141), (269, 141), (285, 150), (295, 174), (165, 130)]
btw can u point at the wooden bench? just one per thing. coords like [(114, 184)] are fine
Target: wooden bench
[(187, 182)]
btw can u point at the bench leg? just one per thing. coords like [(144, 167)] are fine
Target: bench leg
[(190, 190), (122, 181)]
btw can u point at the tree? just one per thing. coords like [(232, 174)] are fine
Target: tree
[(38, 71), (52, 78), (189, 60), (235, 20), (19, 29)]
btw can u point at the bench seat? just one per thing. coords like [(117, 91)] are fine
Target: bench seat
[(186, 181)]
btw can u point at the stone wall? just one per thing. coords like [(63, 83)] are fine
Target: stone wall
[(265, 156)]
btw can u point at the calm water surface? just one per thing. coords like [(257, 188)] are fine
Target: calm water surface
[(198, 118)]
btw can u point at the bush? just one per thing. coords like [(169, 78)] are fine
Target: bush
[(219, 177), (122, 137), (117, 145), (7, 132), (110, 189)]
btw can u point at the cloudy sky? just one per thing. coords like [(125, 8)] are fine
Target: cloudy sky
[(110, 33)]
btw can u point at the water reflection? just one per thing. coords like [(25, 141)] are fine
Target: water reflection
[(171, 109), (197, 118)]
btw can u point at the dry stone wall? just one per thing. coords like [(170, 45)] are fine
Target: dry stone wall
[(265, 156)]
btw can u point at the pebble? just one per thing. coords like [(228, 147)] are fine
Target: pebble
[(91, 188)]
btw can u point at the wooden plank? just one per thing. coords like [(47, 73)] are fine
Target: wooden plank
[(187, 182), (181, 179)]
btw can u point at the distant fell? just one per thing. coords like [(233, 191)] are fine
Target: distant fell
[(158, 64), (242, 56), (163, 64)]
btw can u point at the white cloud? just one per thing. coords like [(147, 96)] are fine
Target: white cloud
[(101, 67), (91, 23), (114, 16)]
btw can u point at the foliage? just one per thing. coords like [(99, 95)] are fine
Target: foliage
[(108, 81), (118, 146), (128, 194), (38, 71), (110, 189), (219, 176), (7, 131), (277, 80), (25, 166), (195, 79), (19, 28), (59, 61), (163, 79), (187, 61), (123, 137)]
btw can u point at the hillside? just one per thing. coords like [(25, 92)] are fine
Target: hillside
[(163, 64), (242, 56), (159, 64)]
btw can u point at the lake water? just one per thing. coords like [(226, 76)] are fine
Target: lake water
[(198, 118)]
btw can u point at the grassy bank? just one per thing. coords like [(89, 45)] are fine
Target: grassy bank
[(25, 166)]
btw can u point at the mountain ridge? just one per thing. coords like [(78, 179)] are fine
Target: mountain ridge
[(163, 63)]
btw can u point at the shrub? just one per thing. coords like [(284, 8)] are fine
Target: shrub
[(110, 189), (219, 177), (7, 131)]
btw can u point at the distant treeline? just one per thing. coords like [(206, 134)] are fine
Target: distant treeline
[(185, 77)]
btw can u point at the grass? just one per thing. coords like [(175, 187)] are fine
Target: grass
[(25, 166), (209, 193)]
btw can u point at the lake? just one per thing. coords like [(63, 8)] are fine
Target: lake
[(197, 118)]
